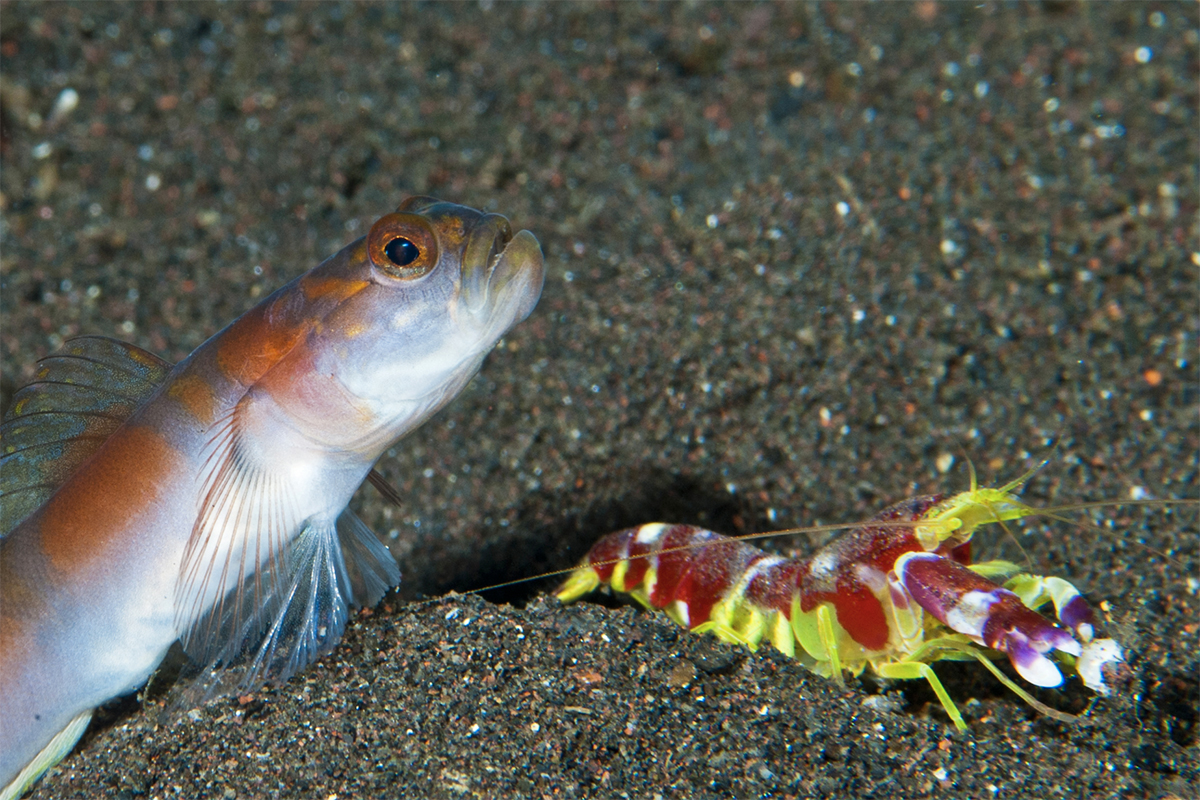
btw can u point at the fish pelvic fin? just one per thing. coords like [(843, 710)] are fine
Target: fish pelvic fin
[(370, 567)]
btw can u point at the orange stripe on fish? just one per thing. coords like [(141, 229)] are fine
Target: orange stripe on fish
[(79, 524), (197, 396), (263, 335)]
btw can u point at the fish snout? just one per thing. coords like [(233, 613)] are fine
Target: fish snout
[(502, 272)]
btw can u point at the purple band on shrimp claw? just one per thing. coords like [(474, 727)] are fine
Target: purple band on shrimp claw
[(1030, 663), (1077, 615), (969, 603), (1027, 636), (1040, 633)]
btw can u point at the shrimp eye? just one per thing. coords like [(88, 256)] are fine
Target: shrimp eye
[(403, 246), (401, 251)]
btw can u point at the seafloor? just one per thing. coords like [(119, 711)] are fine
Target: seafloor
[(803, 260)]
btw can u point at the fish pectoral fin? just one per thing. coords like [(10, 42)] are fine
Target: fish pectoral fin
[(235, 555), (54, 751), (263, 588), (304, 597)]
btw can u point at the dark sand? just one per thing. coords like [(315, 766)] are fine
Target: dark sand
[(798, 256)]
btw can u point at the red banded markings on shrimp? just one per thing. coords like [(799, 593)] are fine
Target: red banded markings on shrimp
[(142, 503), (894, 594)]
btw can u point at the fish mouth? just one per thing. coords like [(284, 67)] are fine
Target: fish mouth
[(502, 273)]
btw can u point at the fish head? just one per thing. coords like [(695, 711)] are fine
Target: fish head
[(496, 276), (412, 310), (322, 377)]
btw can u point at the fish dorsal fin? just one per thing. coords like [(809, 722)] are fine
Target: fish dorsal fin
[(80, 395), (262, 593)]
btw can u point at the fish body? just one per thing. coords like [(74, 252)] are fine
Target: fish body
[(206, 502)]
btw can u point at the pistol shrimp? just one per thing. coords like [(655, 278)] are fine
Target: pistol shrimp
[(895, 594)]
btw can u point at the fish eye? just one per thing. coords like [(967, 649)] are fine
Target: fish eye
[(403, 246), (401, 251)]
